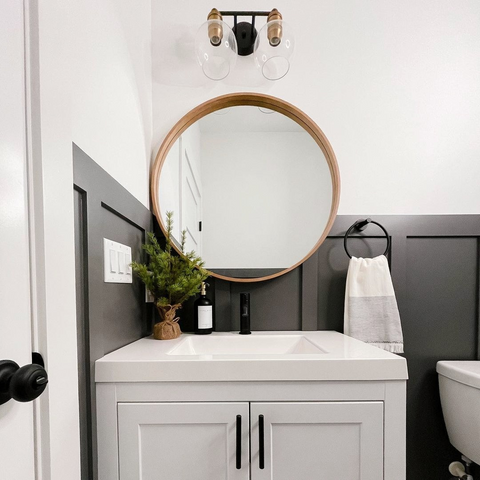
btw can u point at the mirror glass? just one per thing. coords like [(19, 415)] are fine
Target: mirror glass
[(251, 187)]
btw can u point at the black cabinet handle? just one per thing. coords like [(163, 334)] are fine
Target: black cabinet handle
[(239, 442), (261, 442)]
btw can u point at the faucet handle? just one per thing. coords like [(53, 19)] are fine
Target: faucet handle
[(245, 314)]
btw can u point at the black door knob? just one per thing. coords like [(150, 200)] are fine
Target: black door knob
[(22, 384), (28, 383), (7, 369)]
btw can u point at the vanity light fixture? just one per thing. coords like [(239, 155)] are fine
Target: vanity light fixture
[(217, 45)]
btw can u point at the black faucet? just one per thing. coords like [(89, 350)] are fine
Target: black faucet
[(245, 314)]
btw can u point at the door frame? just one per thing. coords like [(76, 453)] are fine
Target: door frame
[(51, 230)]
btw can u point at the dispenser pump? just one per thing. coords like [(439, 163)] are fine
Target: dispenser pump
[(203, 321)]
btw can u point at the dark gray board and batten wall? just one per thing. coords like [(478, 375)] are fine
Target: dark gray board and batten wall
[(109, 315), (435, 269), (435, 266)]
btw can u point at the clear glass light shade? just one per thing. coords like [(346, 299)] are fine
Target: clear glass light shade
[(273, 49), (216, 49)]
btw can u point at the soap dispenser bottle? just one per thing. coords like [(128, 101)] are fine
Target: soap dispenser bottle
[(203, 313)]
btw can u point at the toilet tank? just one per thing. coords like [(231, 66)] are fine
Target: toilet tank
[(459, 383)]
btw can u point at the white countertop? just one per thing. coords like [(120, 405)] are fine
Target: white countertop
[(340, 358)]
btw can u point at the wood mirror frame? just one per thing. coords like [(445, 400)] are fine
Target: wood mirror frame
[(256, 100)]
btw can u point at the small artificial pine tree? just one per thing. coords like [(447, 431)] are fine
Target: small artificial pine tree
[(170, 278)]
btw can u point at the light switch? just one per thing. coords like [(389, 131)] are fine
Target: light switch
[(117, 259), (128, 261), (113, 261), (121, 263)]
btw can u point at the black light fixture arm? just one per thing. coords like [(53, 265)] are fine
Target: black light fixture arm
[(248, 13)]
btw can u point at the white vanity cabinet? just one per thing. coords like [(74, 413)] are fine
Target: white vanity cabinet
[(314, 417), (289, 440)]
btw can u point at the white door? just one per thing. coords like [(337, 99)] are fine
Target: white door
[(183, 441), (16, 419), (317, 441), (191, 198)]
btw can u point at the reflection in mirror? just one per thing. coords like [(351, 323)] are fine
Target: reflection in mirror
[(252, 189)]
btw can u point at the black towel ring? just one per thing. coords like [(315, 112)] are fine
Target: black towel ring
[(361, 225)]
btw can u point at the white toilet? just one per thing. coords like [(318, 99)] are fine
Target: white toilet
[(460, 395)]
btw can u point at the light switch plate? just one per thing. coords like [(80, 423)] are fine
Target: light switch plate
[(149, 298), (116, 260)]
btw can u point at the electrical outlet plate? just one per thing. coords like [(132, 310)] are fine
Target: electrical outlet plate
[(116, 262), (148, 296)]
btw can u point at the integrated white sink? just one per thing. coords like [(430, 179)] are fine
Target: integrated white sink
[(261, 356), (246, 345)]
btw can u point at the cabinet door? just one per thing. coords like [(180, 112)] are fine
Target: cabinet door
[(317, 441), (183, 441)]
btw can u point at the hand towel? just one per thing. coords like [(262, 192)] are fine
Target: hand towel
[(371, 311)]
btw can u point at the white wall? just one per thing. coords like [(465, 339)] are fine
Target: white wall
[(394, 86), (253, 192), (112, 88)]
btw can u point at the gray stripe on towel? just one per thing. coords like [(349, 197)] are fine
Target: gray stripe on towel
[(371, 319)]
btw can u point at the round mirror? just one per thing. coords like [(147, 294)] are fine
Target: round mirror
[(252, 181)]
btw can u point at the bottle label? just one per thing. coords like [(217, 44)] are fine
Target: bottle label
[(205, 316)]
